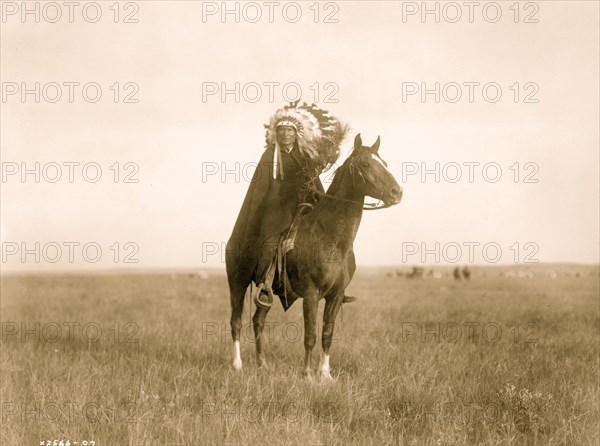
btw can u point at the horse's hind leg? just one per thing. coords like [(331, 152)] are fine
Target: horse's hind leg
[(259, 323), (237, 307), (332, 306)]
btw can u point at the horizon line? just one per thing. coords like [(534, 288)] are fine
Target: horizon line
[(192, 269)]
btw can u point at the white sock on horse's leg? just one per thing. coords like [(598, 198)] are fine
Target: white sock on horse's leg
[(237, 358), (325, 366)]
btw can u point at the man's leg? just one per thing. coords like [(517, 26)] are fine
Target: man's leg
[(266, 268)]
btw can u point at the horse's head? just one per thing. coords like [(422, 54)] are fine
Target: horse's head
[(370, 174)]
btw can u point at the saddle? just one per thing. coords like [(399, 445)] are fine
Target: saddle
[(276, 279)]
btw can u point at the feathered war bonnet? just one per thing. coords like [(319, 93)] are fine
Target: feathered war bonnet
[(318, 135)]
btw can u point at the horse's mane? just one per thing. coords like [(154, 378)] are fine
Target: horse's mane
[(339, 174)]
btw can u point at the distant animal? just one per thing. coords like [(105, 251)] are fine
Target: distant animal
[(466, 273), (417, 272), (456, 273)]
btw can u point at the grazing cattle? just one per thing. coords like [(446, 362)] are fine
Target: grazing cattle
[(456, 273), (466, 273)]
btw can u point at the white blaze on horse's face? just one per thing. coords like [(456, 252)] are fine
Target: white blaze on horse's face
[(379, 160), (394, 194)]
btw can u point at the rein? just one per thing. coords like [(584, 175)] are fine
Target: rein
[(366, 206)]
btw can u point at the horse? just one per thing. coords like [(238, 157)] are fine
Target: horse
[(314, 273)]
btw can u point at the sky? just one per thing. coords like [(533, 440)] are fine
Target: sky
[(175, 156)]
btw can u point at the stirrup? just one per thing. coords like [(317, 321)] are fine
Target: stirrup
[(348, 299), (268, 293)]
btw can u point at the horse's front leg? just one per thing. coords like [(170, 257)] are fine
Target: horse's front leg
[(259, 323), (310, 306), (332, 306)]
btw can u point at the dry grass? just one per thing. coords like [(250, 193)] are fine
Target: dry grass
[(401, 377)]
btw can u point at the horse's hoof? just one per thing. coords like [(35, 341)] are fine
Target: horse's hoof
[(326, 378), (237, 364), (325, 371), (262, 364), (307, 374)]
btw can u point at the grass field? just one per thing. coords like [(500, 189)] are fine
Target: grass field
[(146, 359)]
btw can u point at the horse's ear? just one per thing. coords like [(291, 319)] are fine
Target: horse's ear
[(357, 142), (375, 147)]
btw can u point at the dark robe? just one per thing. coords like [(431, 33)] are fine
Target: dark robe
[(268, 210)]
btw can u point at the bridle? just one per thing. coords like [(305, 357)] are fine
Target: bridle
[(354, 170)]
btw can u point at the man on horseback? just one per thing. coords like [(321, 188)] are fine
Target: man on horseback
[(301, 142)]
